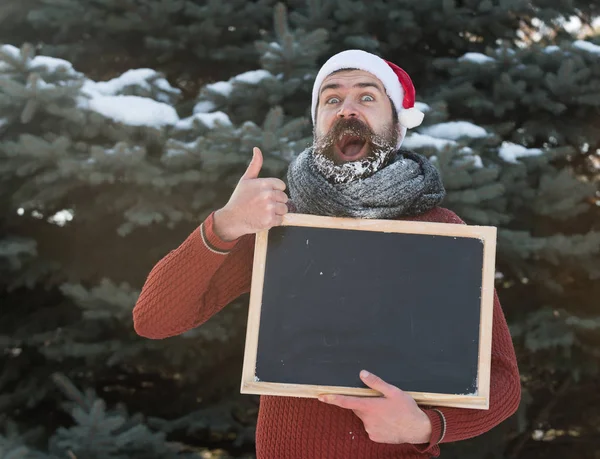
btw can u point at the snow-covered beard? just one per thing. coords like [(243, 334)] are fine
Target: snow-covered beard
[(381, 150)]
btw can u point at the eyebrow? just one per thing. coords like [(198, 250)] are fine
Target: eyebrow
[(357, 85)]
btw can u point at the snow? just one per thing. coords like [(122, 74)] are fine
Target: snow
[(421, 140), (478, 58), (130, 110), (551, 49), (352, 170), (11, 50), (454, 130), (180, 148), (573, 25), (511, 152), (134, 110), (204, 106), (3, 121), (269, 56), (210, 120), (477, 161), (102, 98), (587, 46), (538, 435), (39, 83), (221, 87), (61, 217), (129, 78), (252, 77), (422, 107), (162, 83), (53, 64), (134, 77)]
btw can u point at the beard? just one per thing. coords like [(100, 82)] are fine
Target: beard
[(347, 138)]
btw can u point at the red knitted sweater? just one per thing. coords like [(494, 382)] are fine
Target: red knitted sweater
[(196, 280)]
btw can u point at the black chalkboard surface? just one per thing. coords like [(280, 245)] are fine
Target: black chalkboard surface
[(407, 301)]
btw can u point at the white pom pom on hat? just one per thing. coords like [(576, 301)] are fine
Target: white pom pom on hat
[(396, 81)]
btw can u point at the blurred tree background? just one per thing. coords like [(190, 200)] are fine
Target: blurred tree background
[(123, 123)]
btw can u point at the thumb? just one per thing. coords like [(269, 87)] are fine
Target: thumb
[(375, 382), (254, 166)]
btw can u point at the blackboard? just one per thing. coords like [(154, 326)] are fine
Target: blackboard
[(408, 301)]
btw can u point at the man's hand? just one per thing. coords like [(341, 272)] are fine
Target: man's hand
[(255, 205), (393, 418)]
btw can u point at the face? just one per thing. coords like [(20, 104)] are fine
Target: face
[(355, 133)]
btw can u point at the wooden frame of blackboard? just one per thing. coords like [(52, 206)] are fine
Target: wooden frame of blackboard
[(487, 234)]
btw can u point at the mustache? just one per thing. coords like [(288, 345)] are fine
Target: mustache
[(344, 126), (380, 150)]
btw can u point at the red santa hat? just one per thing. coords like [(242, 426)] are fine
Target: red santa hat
[(397, 83)]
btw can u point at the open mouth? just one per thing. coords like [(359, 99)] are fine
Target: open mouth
[(350, 147)]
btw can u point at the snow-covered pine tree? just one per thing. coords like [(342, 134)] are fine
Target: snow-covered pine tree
[(108, 159), (89, 171), (531, 166), (543, 104)]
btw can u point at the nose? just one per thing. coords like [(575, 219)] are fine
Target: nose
[(347, 110)]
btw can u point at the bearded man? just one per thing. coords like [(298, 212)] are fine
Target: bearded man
[(362, 106)]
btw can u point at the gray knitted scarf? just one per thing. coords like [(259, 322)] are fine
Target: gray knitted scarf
[(410, 185)]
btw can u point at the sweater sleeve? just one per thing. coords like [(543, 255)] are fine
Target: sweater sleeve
[(454, 424), (193, 282)]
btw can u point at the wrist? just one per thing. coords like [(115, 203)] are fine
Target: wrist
[(223, 227), (425, 431)]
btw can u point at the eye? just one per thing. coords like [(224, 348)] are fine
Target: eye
[(332, 100), (368, 98)]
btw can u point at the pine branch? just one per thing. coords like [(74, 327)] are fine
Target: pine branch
[(541, 417), (72, 393)]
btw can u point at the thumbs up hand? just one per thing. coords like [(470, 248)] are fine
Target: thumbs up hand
[(255, 205)]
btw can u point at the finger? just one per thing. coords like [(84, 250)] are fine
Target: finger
[(344, 401), (280, 196), (375, 382), (275, 183), (270, 184), (281, 209), (255, 165), (277, 220)]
